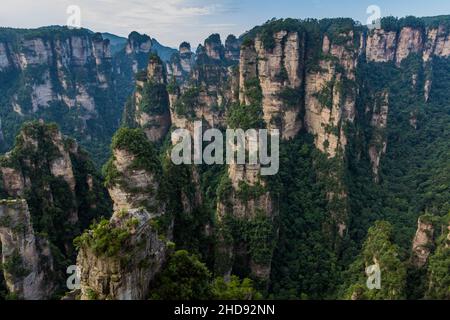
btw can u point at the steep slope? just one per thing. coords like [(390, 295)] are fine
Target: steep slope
[(119, 258), (438, 279), (149, 106), (133, 58), (59, 75), (366, 99), (27, 260), (76, 78), (63, 194), (364, 181), (379, 251), (355, 106)]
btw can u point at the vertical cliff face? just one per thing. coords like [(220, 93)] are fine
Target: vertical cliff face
[(42, 152), (409, 41), (134, 58), (214, 48), (63, 194), (181, 63), (330, 93), (396, 45), (130, 184), (279, 73), (304, 77), (332, 89), (138, 45), (129, 61), (27, 260), (186, 57), (119, 258), (244, 202), (232, 48), (58, 75), (422, 243), (246, 226), (299, 89), (307, 76), (381, 46), (400, 44), (379, 122), (149, 107), (206, 92)]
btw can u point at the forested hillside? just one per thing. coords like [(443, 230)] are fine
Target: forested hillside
[(364, 174)]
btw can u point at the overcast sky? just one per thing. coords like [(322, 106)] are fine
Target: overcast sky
[(174, 21)]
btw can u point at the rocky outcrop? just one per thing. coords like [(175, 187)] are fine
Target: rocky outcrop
[(206, 93), (14, 182), (330, 94), (422, 243), (62, 71), (247, 71), (248, 175), (136, 188), (214, 48), (186, 57), (409, 41), (437, 43), (54, 175), (32, 141), (137, 239), (75, 51), (379, 123), (138, 43), (232, 48), (127, 274), (27, 260), (150, 105), (381, 46), (138, 48), (385, 46), (287, 87), (245, 200), (279, 71)]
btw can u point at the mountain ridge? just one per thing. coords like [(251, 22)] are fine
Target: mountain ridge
[(364, 177)]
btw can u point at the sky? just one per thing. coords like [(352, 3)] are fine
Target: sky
[(174, 21)]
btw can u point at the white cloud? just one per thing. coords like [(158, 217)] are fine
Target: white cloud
[(171, 21)]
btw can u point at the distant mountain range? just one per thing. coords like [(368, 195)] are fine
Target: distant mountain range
[(118, 43)]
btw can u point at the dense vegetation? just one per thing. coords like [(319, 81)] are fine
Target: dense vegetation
[(186, 278), (92, 128), (378, 249), (413, 177), (50, 199), (311, 260), (438, 277), (103, 238)]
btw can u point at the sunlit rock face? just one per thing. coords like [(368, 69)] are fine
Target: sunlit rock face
[(422, 243)]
